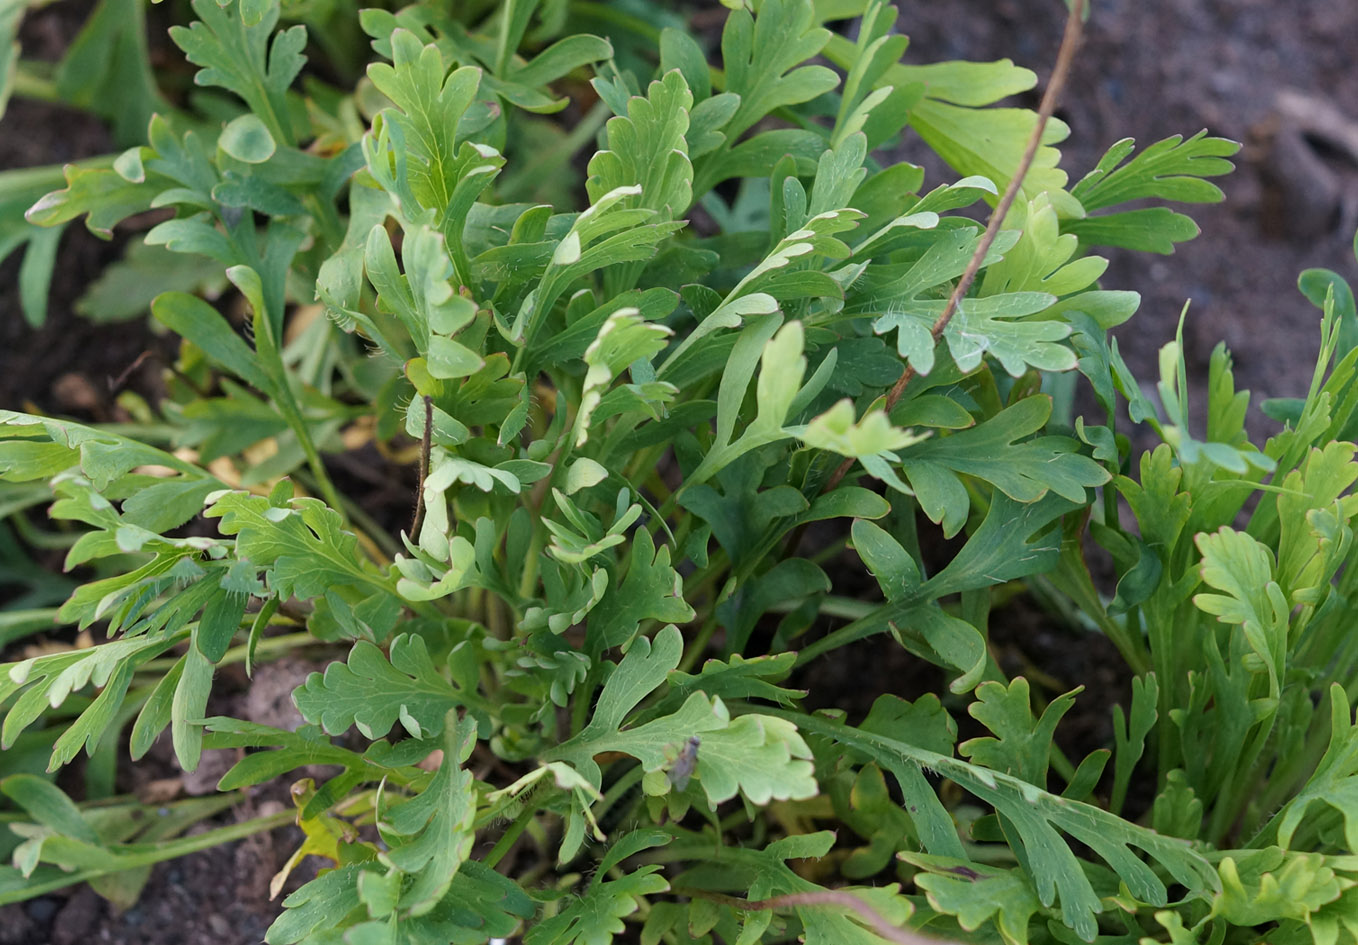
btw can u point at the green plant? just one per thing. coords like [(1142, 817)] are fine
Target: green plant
[(1238, 618), (625, 420)]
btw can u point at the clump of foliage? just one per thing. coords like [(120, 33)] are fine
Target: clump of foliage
[(566, 700)]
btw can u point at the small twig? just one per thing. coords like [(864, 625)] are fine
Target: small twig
[(1064, 57), (116, 383), (425, 447), (828, 897)]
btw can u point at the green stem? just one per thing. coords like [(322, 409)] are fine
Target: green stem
[(620, 789), (18, 624), (611, 16), (860, 629), (313, 457), (699, 645), (325, 214), (528, 582), (584, 698), (381, 538), (842, 608), (282, 644), (506, 841), (1164, 666), (700, 582), (525, 182), (1237, 790), (32, 83)]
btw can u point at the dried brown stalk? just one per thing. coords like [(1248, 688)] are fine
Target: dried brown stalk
[(426, 445), (1064, 57)]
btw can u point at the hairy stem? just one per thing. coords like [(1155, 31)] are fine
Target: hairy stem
[(426, 445)]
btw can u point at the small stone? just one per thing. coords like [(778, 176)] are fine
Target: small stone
[(211, 766), (41, 909), (16, 928), (75, 392), (77, 919), (269, 701)]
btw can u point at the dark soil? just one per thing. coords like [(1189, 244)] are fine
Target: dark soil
[(68, 366), (217, 897), (1148, 69)]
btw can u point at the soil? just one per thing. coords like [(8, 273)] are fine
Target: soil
[(1147, 69), (219, 896)]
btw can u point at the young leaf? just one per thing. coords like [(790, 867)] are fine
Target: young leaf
[(646, 148), (1043, 260), (597, 915), (623, 339), (781, 369), (977, 894), (836, 430), (1023, 471), (1130, 736), (1022, 744), (300, 542), (1172, 169), (1236, 564), (236, 55), (651, 590), (1333, 783), (764, 55), (418, 152)]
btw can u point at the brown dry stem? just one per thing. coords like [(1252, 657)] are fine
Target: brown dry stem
[(1064, 57), (426, 445)]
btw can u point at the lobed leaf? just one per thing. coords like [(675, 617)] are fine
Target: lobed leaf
[(374, 692)]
